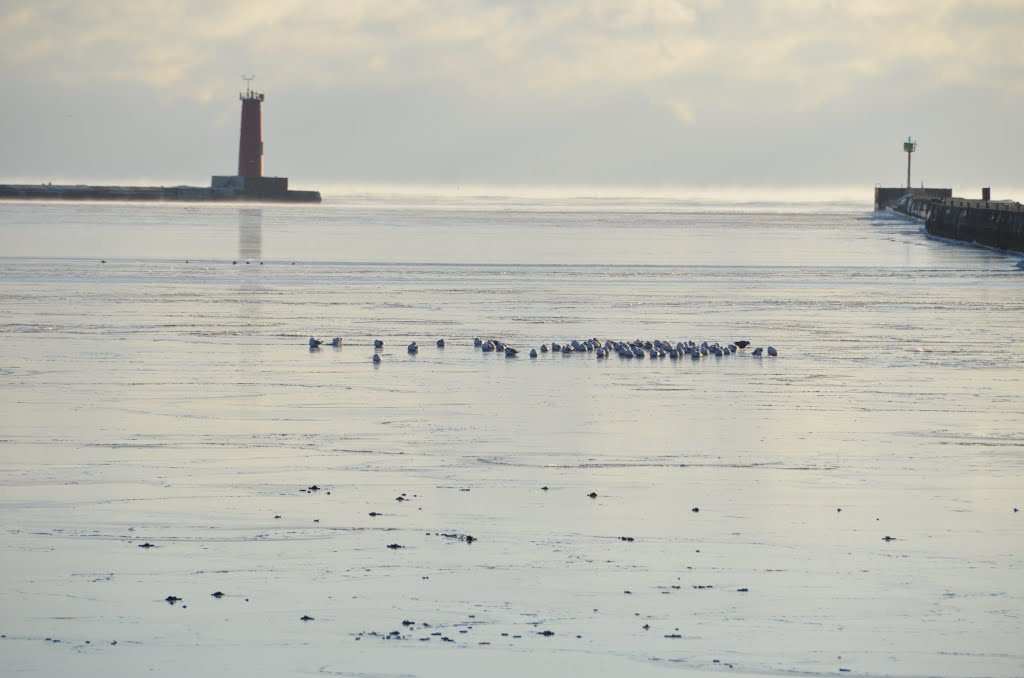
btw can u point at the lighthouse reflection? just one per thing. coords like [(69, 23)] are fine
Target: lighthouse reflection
[(250, 234)]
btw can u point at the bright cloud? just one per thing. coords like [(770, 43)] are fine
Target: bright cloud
[(516, 45)]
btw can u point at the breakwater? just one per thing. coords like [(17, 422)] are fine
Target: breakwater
[(221, 189), (992, 223), (887, 197)]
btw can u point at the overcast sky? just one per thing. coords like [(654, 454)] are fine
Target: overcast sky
[(538, 92)]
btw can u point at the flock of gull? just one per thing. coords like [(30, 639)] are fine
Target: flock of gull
[(629, 350)]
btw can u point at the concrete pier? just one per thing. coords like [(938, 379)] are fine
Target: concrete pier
[(998, 224), (992, 223), (886, 197), (221, 189)]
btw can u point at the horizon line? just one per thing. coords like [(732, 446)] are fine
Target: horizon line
[(854, 193)]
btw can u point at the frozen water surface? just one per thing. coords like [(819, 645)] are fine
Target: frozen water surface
[(167, 396)]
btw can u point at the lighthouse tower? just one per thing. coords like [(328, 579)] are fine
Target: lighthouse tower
[(250, 184), (250, 138)]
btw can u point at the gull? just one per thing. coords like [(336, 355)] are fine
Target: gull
[(772, 352), (412, 348), (378, 343), (510, 352), (757, 352), (314, 343), (440, 343), (533, 353), (376, 359), (336, 342)]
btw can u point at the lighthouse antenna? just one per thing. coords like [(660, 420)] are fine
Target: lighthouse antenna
[(248, 81)]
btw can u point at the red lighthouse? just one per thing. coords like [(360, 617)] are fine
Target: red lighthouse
[(250, 184), (250, 140)]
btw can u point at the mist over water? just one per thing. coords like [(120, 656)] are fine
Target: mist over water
[(156, 386)]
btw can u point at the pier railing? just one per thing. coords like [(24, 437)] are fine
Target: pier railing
[(997, 205)]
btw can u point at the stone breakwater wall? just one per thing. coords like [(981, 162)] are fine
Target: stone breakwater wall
[(998, 224), (152, 193), (886, 198)]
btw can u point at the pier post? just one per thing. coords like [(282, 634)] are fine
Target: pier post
[(909, 146)]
